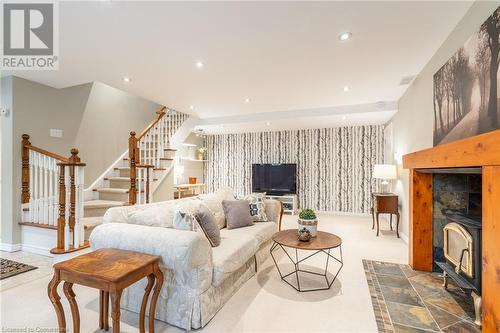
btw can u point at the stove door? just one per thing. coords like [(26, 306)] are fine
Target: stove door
[(458, 246)]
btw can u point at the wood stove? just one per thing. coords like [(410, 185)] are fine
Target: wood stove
[(462, 250)]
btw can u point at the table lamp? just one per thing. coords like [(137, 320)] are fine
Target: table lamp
[(385, 172)]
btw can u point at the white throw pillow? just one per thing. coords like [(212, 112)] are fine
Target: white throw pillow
[(257, 207), (156, 216)]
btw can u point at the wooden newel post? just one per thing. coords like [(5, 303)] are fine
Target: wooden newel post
[(25, 175), (73, 160), (61, 220), (133, 154)]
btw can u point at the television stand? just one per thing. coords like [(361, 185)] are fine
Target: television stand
[(289, 202)]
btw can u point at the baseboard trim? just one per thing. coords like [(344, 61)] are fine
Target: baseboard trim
[(37, 250), (343, 213), (404, 237), (10, 247)]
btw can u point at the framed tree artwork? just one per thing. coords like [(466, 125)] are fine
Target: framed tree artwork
[(466, 97)]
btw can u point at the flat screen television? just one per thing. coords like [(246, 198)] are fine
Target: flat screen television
[(274, 179)]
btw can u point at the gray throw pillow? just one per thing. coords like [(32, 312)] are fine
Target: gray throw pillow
[(206, 220), (237, 213)]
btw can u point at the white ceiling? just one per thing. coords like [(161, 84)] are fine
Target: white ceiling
[(281, 55)]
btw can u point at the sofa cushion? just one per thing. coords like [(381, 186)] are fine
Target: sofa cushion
[(214, 202), (237, 247), (237, 214), (153, 216), (262, 232), (232, 253)]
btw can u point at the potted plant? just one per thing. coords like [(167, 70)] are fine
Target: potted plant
[(201, 153), (308, 220)]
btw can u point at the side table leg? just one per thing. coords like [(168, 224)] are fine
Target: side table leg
[(115, 310), (56, 301), (147, 291), (397, 225), (101, 309), (70, 295), (378, 224), (152, 307), (373, 217), (390, 219), (105, 311)]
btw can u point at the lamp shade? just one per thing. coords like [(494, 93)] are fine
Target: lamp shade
[(385, 171)]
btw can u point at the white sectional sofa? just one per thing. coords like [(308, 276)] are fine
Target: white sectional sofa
[(198, 279)]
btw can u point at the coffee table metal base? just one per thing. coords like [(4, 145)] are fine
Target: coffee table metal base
[(297, 269)]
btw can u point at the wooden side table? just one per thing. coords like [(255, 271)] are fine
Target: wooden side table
[(110, 271), (385, 203)]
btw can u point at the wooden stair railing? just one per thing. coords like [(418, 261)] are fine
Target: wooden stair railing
[(145, 153), (52, 188)]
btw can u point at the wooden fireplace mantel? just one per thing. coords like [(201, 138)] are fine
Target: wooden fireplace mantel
[(478, 151)]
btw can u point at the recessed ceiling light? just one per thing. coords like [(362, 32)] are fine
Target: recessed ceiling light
[(345, 36), (191, 107), (126, 79), (346, 88), (344, 117), (247, 100), (200, 64), (268, 123)]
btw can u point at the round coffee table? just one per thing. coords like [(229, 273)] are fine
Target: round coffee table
[(322, 243)]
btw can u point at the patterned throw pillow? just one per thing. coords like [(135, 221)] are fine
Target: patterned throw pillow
[(185, 221), (257, 207)]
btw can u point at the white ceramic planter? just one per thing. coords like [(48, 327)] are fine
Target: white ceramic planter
[(311, 225)]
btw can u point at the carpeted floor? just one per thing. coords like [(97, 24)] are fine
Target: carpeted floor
[(406, 301), (10, 268)]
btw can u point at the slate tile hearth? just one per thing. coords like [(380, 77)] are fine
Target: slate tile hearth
[(408, 301)]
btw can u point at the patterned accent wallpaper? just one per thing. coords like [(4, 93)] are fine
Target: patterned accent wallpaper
[(334, 165)]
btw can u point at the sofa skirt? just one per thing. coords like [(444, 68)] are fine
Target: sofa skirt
[(188, 308)]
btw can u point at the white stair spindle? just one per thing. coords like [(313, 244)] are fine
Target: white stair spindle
[(35, 192), (32, 187), (45, 201)]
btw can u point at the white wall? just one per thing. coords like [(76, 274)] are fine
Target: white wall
[(7, 233), (95, 118), (413, 124), (109, 116)]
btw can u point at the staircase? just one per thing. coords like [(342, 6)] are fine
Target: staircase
[(132, 179), (136, 175)]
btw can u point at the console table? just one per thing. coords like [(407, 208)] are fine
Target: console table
[(110, 271), (385, 203)]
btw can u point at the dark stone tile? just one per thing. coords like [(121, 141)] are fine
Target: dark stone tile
[(456, 201), (462, 327), (442, 318), (406, 296), (415, 316), (409, 272), (427, 284), (453, 301), (393, 281), (475, 183), (450, 182), (387, 268), (407, 329)]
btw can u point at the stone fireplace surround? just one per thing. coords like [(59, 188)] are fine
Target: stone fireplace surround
[(480, 151)]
